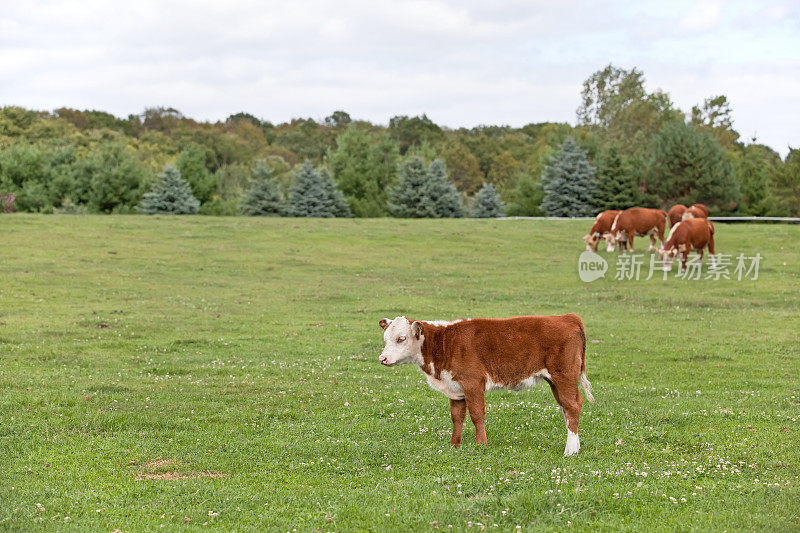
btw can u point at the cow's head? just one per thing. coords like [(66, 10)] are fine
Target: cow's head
[(403, 340), (687, 215), (612, 238), (592, 240), (667, 257)]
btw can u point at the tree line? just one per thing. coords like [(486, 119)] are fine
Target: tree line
[(629, 147)]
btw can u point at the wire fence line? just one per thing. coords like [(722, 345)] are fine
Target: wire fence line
[(785, 220)]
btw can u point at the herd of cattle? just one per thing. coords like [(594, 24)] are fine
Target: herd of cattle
[(465, 358), (690, 230)]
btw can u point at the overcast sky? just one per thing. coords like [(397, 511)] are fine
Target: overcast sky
[(463, 63)]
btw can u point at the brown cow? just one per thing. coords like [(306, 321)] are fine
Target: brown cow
[(675, 214), (685, 236), (602, 225), (465, 358), (639, 221), (696, 211)]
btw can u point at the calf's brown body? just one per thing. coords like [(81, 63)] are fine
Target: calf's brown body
[(690, 234), (639, 221), (466, 358)]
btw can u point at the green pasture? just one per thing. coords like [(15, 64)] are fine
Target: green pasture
[(222, 373)]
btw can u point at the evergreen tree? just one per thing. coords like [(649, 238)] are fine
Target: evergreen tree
[(688, 166), (315, 195), (171, 195), (568, 181), (424, 194), (264, 198), (614, 188), (446, 200), (486, 203), (340, 206)]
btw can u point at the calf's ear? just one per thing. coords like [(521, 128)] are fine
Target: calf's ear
[(384, 323), (416, 329)]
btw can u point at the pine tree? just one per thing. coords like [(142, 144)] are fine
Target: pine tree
[(315, 195), (264, 198), (486, 203), (688, 166), (171, 195), (614, 187), (568, 181), (424, 194)]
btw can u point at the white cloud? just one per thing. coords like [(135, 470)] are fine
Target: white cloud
[(461, 62)]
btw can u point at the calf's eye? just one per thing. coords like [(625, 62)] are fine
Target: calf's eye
[(401, 339)]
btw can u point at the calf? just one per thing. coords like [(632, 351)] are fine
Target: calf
[(696, 211), (465, 358), (635, 221), (675, 214), (685, 236), (602, 225)]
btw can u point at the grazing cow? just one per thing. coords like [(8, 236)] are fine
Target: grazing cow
[(696, 211), (465, 358), (635, 221), (602, 225), (685, 236), (675, 214)]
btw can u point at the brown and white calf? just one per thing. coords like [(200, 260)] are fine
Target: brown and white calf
[(635, 221), (696, 211), (675, 214), (685, 236), (602, 225), (465, 358)]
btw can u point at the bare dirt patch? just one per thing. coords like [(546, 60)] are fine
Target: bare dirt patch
[(165, 469)]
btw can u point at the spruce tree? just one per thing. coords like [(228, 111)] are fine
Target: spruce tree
[(315, 195), (264, 198), (171, 195), (446, 200), (407, 198), (614, 187), (424, 194), (340, 206), (486, 203), (568, 182)]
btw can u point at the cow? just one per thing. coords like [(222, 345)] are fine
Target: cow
[(685, 236), (602, 225), (465, 358), (696, 211), (635, 221), (675, 214)]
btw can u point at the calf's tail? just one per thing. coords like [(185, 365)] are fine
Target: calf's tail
[(585, 384)]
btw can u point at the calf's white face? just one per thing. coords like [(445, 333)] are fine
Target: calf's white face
[(403, 342), (591, 240), (612, 238), (667, 257)]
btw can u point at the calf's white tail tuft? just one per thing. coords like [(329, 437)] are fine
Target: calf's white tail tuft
[(587, 387)]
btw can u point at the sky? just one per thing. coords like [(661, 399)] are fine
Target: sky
[(463, 63)]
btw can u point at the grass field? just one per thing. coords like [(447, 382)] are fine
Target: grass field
[(223, 373)]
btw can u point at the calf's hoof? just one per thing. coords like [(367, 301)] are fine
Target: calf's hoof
[(573, 444)]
